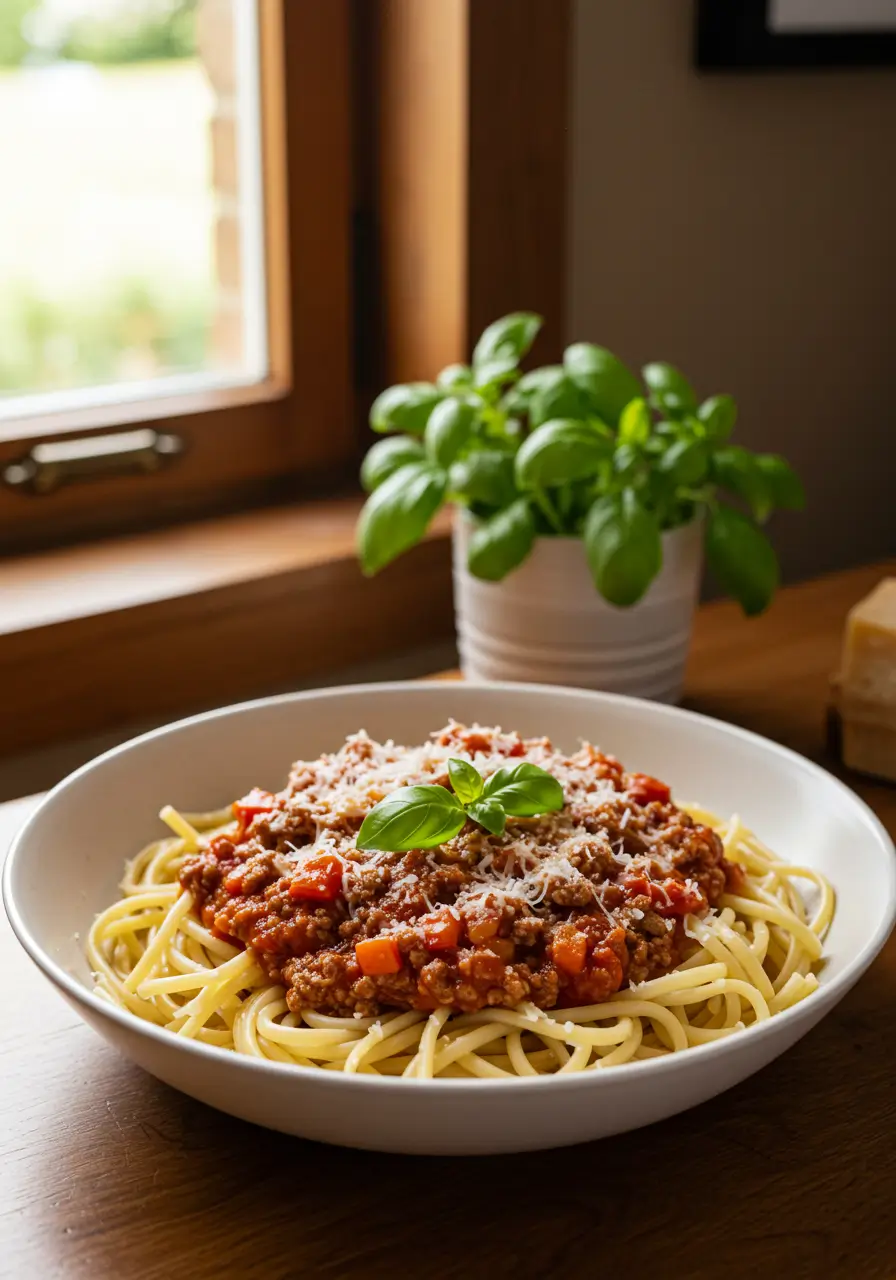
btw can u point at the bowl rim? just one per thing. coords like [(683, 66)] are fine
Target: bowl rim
[(657, 1068)]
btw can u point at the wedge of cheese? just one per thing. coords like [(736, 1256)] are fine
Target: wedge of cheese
[(868, 669), (863, 694)]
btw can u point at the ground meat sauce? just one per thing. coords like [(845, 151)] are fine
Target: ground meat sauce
[(561, 910)]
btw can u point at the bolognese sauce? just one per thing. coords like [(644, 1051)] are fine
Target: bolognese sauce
[(561, 910)]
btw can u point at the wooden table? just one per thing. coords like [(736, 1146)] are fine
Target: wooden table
[(105, 1172)]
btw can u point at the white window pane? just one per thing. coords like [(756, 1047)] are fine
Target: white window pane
[(130, 212)]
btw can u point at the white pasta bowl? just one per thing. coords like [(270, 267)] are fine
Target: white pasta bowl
[(67, 861)]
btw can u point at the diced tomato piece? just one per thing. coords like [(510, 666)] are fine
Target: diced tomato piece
[(377, 956), (234, 882), (518, 749), (568, 952), (441, 933), (635, 886), (318, 879), (643, 789), (256, 802), (676, 898)]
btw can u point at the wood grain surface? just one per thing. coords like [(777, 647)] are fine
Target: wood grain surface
[(104, 1172)]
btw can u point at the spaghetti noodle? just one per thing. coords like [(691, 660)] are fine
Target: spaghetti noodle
[(742, 960)]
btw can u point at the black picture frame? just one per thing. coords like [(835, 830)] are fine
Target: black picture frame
[(735, 35)]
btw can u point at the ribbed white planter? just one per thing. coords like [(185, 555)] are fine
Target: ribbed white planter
[(546, 622)]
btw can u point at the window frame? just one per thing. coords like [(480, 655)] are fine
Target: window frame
[(250, 443)]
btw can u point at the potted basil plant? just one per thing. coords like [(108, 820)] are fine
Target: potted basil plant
[(585, 498)]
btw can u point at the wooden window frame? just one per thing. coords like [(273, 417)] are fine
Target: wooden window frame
[(252, 443)]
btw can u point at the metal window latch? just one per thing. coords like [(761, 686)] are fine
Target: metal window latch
[(48, 466)]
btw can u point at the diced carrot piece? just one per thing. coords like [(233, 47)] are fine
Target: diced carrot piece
[(318, 880), (378, 956), (568, 951), (441, 933), (256, 802), (643, 789)]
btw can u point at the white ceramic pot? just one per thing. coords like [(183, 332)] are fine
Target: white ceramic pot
[(546, 622)]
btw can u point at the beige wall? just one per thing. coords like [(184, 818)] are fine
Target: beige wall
[(744, 227)]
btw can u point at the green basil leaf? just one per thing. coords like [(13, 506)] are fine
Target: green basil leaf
[(623, 547), (559, 452), (635, 423), (502, 542), (404, 408), (518, 398), (741, 558), (493, 372), (396, 514), (489, 814), (387, 456), (784, 485), (507, 338), (718, 415), (670, 388), (455, 377), (466, 780), (557, 397), (449, 428), (736, 470), (608, 384), (412, 818), (523, 790), (485, 477), (684, 461), (625, 458)]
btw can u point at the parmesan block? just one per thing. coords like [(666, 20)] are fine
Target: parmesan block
[(868, 671), (863, 694)]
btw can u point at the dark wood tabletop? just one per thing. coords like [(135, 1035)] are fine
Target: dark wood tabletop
[(104, 1172)]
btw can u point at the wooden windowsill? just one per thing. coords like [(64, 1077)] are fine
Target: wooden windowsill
[(174, 620)]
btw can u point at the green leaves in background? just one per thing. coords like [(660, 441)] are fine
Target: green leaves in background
[(623, 547), (387, 456), (784, 487), (559, 452), (448, 429), (741, 558), (507, 339), (484, 478), (684, 462), (718, 415), (502, 542), (404, 408), (581, 449), (397, 513), (455, 377), (557, 397), (607, 382), (670, 391), (635, 423)]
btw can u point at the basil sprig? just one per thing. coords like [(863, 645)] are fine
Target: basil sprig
[(583, 449), (422, 817)]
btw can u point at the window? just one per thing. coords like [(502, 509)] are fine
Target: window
[(131, 254), (174, 310)]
